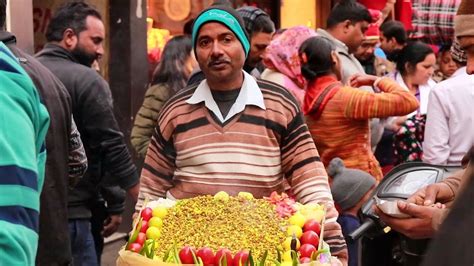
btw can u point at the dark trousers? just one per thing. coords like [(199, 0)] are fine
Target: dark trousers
[(99, 214), (82, 243)]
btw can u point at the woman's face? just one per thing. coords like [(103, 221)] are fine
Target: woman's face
[(424, 70)]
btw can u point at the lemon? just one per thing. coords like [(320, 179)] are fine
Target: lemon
[(222, 196), (160, 212), (153, 233), (287, 243), (294, 230), (156, 222), (297, 219), (245, 195), (286, 263), (316, 215)]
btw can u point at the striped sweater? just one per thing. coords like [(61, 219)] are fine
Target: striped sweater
[(258, 151), (342, 130), (24, 122)]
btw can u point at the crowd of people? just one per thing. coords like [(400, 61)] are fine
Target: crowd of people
[(237, 105)]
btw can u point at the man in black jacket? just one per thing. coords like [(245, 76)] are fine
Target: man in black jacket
[(75, 35)]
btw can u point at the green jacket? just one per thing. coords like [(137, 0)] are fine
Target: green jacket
[(24, 122), (147, 117)]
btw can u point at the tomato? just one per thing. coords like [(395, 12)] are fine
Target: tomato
[(147, 213), (310, 237), (135, 247), (220, 254), (307, 250), (305, 260), (186, 255), (312, 225), (206, 255), (144, 226), (141, 238), (241, 257)]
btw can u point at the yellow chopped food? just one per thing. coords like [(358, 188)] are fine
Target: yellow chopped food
[(237, 224)]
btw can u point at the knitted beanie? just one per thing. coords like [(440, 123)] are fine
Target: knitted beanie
[(226, 16), (349, 185), (458, 54), (249, 14), (464, 19)]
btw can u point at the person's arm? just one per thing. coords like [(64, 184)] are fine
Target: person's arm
[(395, 101), (425, 208), (104, 135), (77, 159), (308, 179), (158, 169), (115, 198), (146, 119), (386, 11), (24, 122), (419, 225), (436, 148)]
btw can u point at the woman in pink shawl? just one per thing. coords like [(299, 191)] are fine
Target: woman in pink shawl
[(282, 61)]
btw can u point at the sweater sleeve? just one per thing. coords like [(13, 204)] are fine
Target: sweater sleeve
[(307, 176), (146, 118), (24, 122), (158, 169), (395, 101)]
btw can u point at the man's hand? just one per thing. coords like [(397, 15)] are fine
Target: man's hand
[(111, 224), (419, 226), (133, 192), (431, 194), (359, 80)]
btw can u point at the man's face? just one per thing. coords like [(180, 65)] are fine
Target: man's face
[(387, 45), (467, 44), (219, 53), (89, 46), (258, 43), (366, 50), (355, 35)]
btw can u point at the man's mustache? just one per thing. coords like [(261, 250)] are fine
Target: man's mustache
[(218, 61)]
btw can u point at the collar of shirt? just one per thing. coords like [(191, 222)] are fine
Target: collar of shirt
[(342, 46), (250, 94), (423, 91), (458, 72)]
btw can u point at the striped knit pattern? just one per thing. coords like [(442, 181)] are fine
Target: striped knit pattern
[(258, 151), (24, 122), (343, 128)]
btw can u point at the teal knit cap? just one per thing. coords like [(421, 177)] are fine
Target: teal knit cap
[(229, 17)]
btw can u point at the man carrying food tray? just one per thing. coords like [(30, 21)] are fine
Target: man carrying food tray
[(234, 133)]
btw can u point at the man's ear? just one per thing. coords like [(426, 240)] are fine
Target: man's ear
[(69, 38), (393, 40), (334, 57), (409, 68), (346, 25)]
